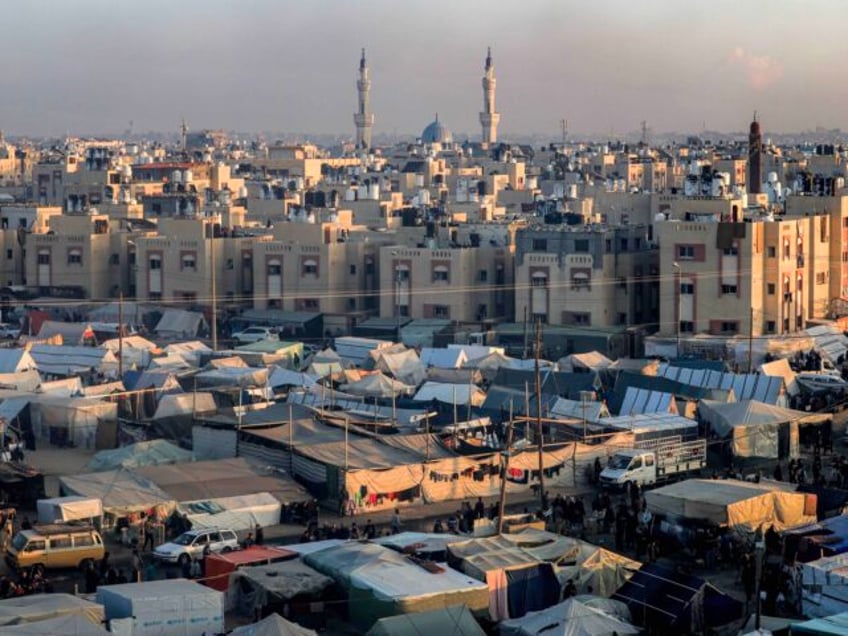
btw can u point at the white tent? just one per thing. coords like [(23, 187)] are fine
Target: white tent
[(190, 351), (572, 617), (28, 380), (445, 358), (178, 323), (405, 366), (63, 509), (67, 625), (280, 377), (590, 410), (150, 453), (781, 368), (121, 491), (459, 394), (176, 404), (41, 607), (64, 361), (135, 350), (273, 625), (376, 385), (16, 361), (592, 360), (72, 419), (72, 333)]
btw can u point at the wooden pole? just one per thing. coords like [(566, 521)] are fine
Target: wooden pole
[(539, 438), (121, 336), (505, 454)]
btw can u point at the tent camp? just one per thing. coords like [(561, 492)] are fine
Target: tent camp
[(72, 333), (244, 377), (589, 410), (664, 601), (41, 607), (444, 358), (190, 351), (583, 362), (380, 582), (455, 620), (150, 453), (16, 361), (572, 617), (739, 505), (377, 385), (72, 420), (459, 394), (74, 361), (259, 588), (178, 323), (121, 491), (404, 366), (746, 386), (135, 350), (185, 404), (757, 429), (273, 625)]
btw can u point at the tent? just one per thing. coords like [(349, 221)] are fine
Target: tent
[(64, 509), (459, 394), (377, 385), (664, 601), (572, 617), (190, 351), (173, 606), (121, 491), (736, 504), (178, 323), (404, 366), (280, 377), (41, 607), (273, 625), (245, 377), (257, 587), (746, 386), (589, 410), (780, 368), (824, 586), (72, 420), (591, 361), (150, 453), (836, 624), (72, 361), (28, 380), (16, 361), (68, 625), (758, 429), (380, 582), (444, 358), (637, 401), (179, 404), (66, 387), (72, 333), (455, 620)]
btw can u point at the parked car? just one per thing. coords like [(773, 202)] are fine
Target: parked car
[(255, 334), (9, 331), (52, 546), (191, 545), (822, 382)]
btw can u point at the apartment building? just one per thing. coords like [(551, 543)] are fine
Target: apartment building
[(587, 276)]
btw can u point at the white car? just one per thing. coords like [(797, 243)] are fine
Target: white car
[(255, 334), (9, 331), (191, 545)]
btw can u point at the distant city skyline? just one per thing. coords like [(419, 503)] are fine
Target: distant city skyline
[(92, 66)]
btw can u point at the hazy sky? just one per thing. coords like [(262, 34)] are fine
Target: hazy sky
[(94, 65)]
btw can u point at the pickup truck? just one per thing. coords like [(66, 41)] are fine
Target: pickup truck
[(647, 466)]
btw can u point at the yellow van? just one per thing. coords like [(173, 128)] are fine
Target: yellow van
[(52, 546)]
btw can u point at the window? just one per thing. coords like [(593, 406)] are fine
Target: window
[(310, 304), (352, 270), (540, 279), (10, 254), (484, 276), (622, 318), (83, 540), (402, 274), (770, 326), (36, 545), (581, 318), (155, 262), (623, 243), (155, 295), (686, 252), (608, 245), (636, 463), (540, 245), (369, 268), (214, 537), (771, 251), (75, 257), (728, 289), (687, 288), (44, 258), (274, 268), (637, 243), (730, 251), (440, 274), (188, 262), (687, 326), (60, 543), (821, 278), (310, 268), (482, 311), (770, 289), (115, 259), (441, 311), (581, 245), (351, 304), (580, 281), (728, 326)]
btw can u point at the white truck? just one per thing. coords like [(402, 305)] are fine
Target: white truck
[(654, 461)]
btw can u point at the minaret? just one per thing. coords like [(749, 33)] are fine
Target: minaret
[(755, 158), (363, 118), (489, 118)]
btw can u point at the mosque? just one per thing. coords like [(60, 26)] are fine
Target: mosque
[(435, 132)]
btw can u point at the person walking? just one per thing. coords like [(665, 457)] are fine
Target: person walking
[(396, 522)]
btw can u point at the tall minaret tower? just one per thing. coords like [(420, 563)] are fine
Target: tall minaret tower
[(363, 118), (489, 118), (755, 158)]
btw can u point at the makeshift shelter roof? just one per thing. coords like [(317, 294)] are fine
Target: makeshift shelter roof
[(233, 377), (121, 490), (455, 620), (765, 388), (593, 360), (489, 364), (107, 388), (72, 333), (150, 453), (649, 422), (220, 478), (780, 368), (572, 617), (637, 401), (176, 404), (273, 625), (152, 379), (41, 607), (591, 411), (724, 417), (278, 376), (466, 375), (226, 363), (171, 361), (66, 387), (829, 340), (16, 361), (444, 358), (67, 625), (179, 323), (190, 351), (129, 342), (11, 407), (377, 385), (285, 579), (63, 361), (360, 454), (736, 504), (568, 385), (21, 380), (460, 394), (405, 366), (837, 624)]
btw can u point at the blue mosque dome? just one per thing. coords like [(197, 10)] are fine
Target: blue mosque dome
[(436, 133)]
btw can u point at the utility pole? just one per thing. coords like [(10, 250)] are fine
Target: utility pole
[(563, 124), (539, 439), (505, 454), (214, 296), (751, 342)]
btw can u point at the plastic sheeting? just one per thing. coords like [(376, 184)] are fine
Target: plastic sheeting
[(78, 418), (62, 509), (456, 620), (405, 366), (121, 492), (16, 361), (68, 625), (177, 404), (273, 625), (42, 607), (736, 504), (150, 453), (178, 323), (377, 385), (252, 588), (572, 617), (68, 361), (237, 513), (458, 394)]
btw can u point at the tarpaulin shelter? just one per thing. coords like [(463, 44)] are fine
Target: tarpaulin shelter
[(65, 509), (739, 505), (664, 601), (16, 361), (41, 607), (589, 410), (219, 565), (572, 617), (273, 625), (780, 368), (233, 377), (637, 401), (824, 586), (377, 385), (252, 589), (828, 537), (746, 386), (757, 429), (68, 625), (279, 377), (455, 620), (179, 323), (190, 351), (136, 350), (836, 624), (459, 394), (72, 333), (591, 361), (380, 582), (444, 358), (72, 420), (151, 453), (72, 361), (121, 491), (66, 387), (404, 366)]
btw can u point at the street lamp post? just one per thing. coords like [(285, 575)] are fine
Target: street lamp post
[(678, 293)]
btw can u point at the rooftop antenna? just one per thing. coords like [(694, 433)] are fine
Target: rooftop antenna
[(563, 124), (183, 135), (644, 132)]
